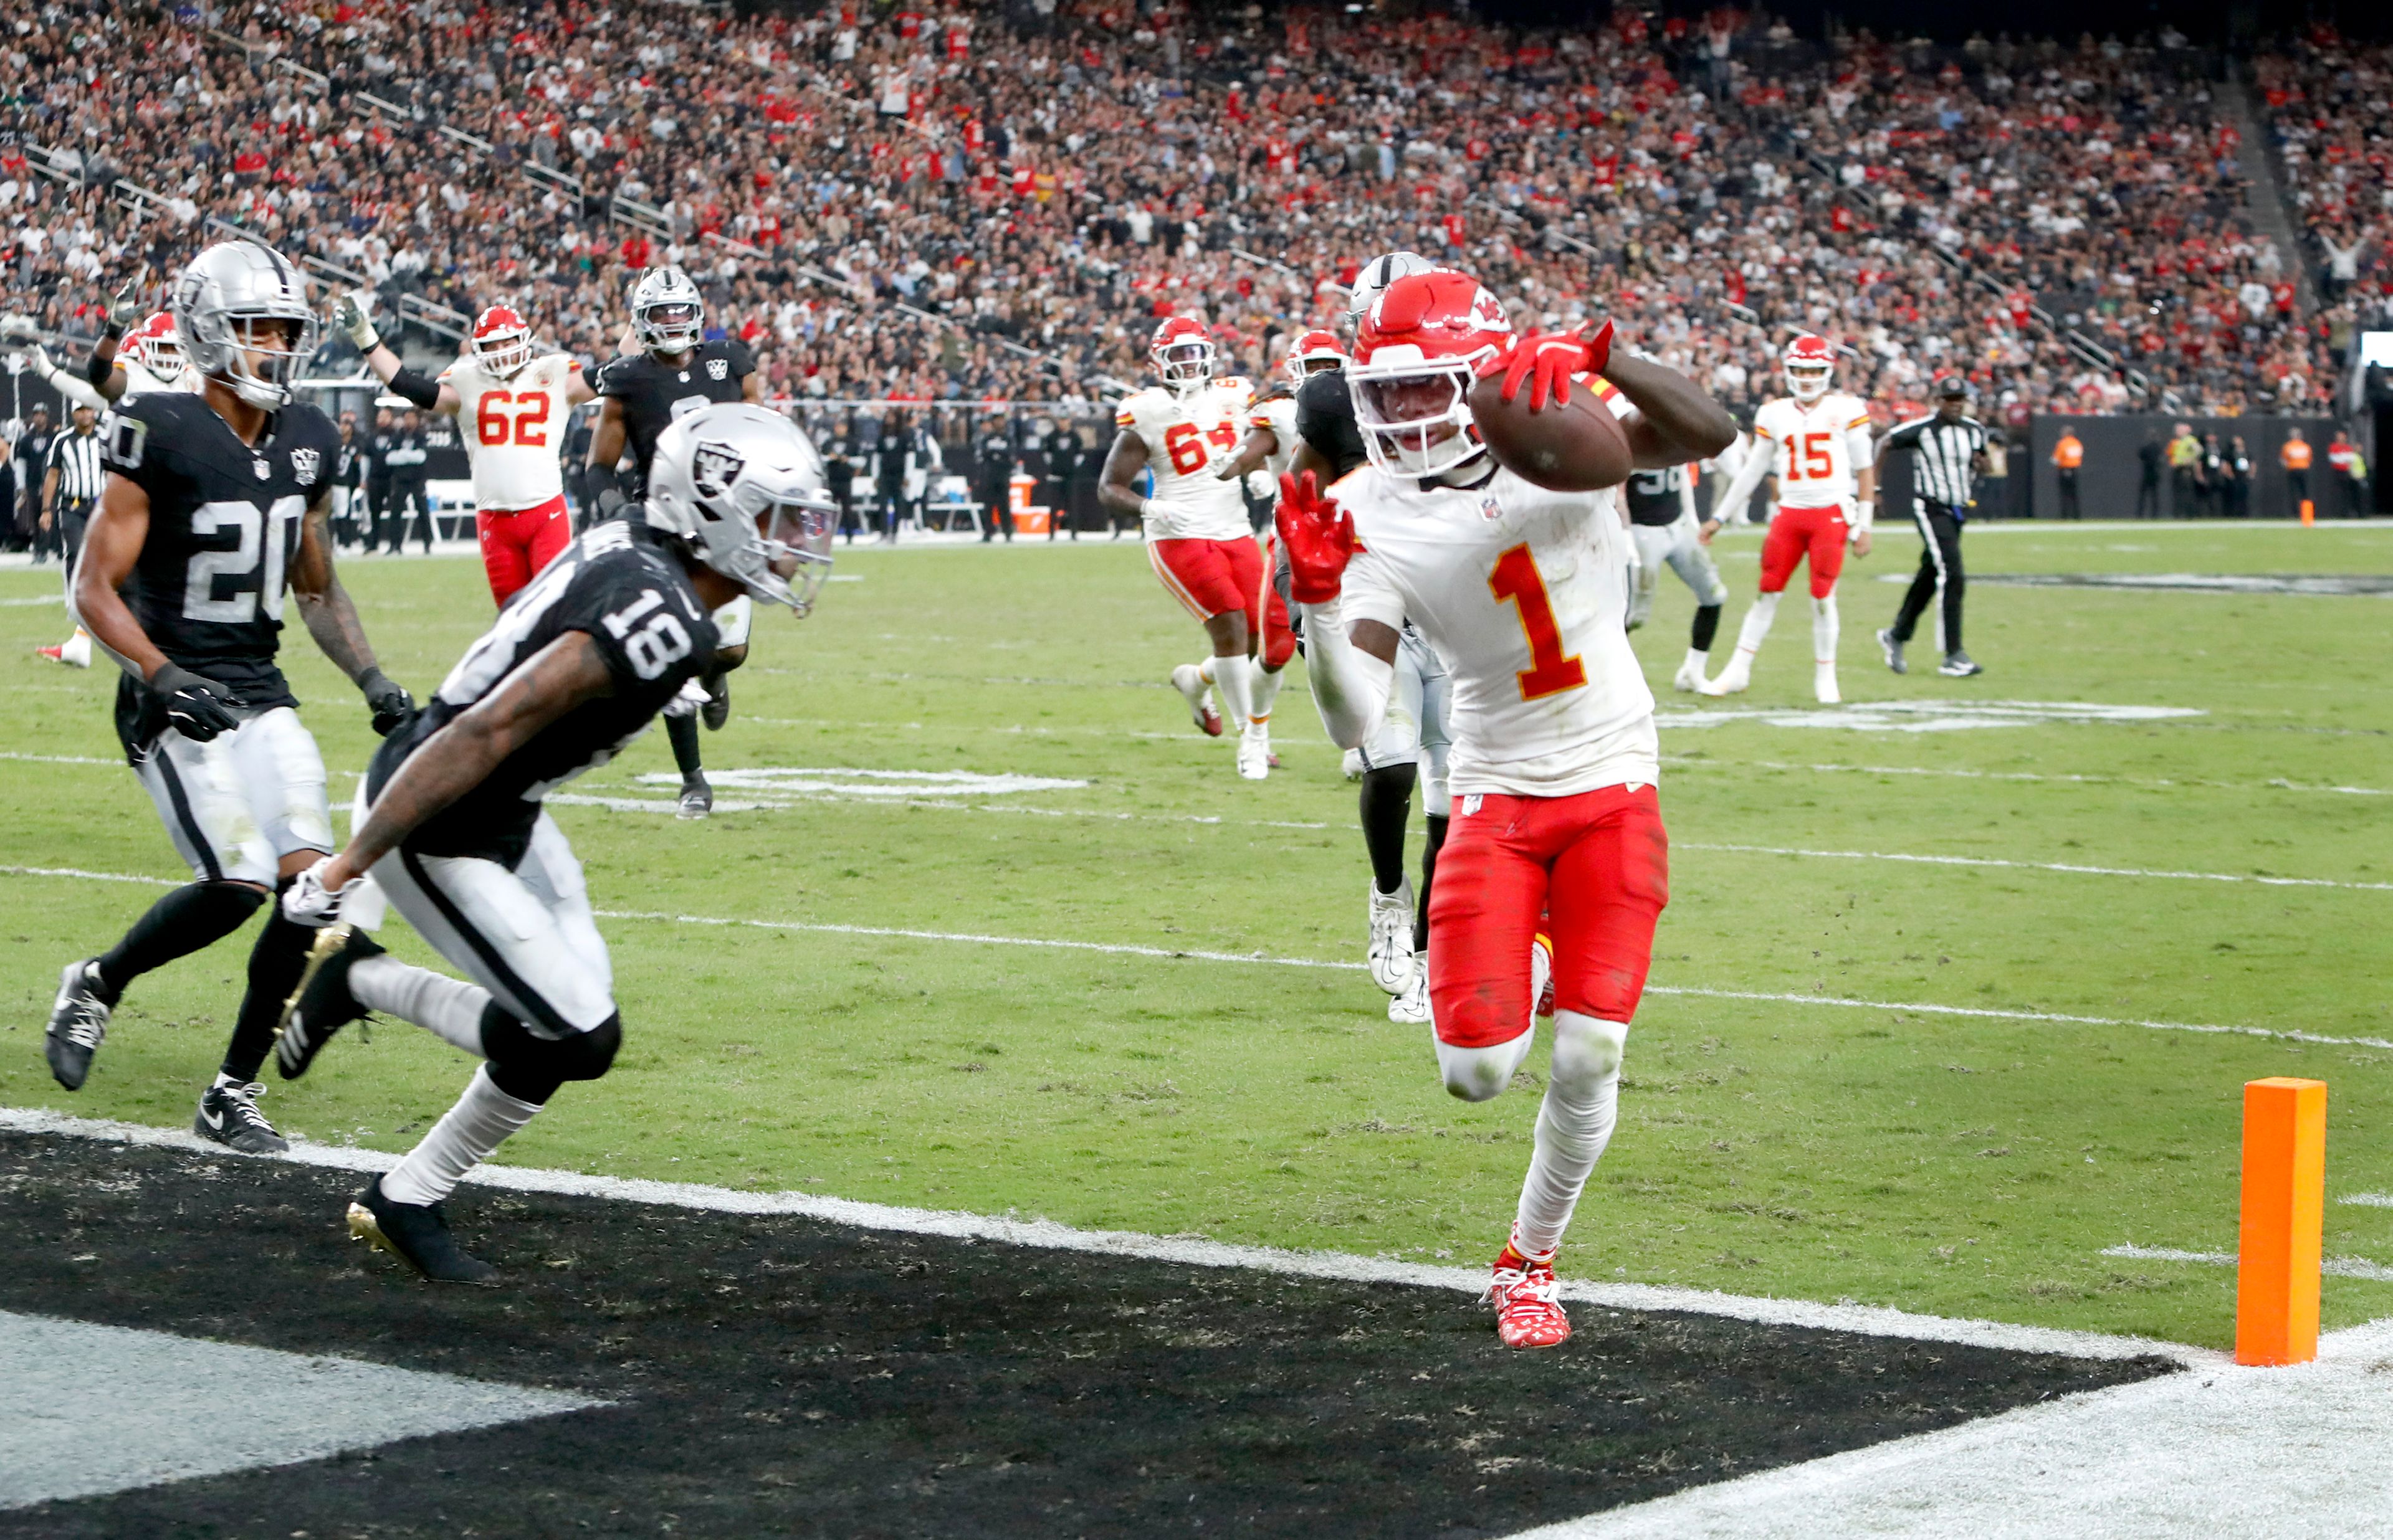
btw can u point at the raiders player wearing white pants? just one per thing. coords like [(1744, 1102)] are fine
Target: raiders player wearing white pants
[(1412, 738), (450, 823)]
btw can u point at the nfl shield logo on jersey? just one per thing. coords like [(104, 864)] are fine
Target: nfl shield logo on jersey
[(1490, 510), (718, 369), (303, 463), (259, 466)]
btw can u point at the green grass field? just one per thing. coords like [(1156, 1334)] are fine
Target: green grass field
[(1961, 1165)]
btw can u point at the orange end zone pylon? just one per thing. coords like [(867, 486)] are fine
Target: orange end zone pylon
[(2284, 1212)]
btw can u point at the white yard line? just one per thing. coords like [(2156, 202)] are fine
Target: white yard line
[(2334, 1267), (2224, 1451), (1867, 1320), (2071, 867), (1267, 959), (2368, 1200)]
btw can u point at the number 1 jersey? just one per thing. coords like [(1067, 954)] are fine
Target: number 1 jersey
[(616, 583), (1523, 593), (224, 527)]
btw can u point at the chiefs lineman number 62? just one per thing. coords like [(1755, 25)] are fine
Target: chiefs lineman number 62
[(513, 408)]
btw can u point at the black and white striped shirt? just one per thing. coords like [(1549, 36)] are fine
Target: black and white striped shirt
[(1942, 456), (75, 456)]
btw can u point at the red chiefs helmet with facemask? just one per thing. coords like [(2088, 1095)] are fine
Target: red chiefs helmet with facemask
[(501, 342), (1421, 345), (1810, 364), (1314, 348), (1182, 353)]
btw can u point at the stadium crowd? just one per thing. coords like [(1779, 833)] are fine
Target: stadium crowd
[(967, 203), (2330, 105)]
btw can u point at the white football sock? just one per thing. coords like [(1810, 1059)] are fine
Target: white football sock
[(1575, 1122), (464, 1137), (1234, 677), (1267, 683), (449, 1008), (77, 649), (1698, 659), (1823, 630), (1749, 636)]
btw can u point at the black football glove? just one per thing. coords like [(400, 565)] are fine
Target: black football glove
[(610, 502), (197, 708), (393, 706)]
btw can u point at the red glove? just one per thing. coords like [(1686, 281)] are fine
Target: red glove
[(1552, 358), (1318, 537)]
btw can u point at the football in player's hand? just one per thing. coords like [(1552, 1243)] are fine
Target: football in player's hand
[(1576, 446)]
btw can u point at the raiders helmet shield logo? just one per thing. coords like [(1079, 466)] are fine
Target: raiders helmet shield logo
[(718, 369), (303, 462), (713, 468)]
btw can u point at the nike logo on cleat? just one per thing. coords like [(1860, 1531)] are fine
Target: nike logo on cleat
[(213, 1119)]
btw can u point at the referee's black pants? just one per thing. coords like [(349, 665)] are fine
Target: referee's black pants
[(1940, 568), (73, 517)]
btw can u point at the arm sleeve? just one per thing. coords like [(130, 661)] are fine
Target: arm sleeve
[(76, 392), (413, 385)]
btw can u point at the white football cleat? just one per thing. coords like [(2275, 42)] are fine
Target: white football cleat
[(1190, 682), (1824, 685), (1691, 672), (1411, 1008), (1735, 679), (1392, 937), (1254, 753)]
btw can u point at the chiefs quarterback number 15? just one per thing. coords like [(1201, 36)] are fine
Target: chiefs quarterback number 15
[(1517, 581)]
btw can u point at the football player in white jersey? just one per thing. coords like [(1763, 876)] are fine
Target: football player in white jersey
[(1182, 432), (1523, 593), (512, 407), (1816, 441)]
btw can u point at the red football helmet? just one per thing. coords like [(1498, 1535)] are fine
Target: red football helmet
[(1182, 353), (1422, 342), (1810, 363), (502, 343), (155, 346), (1314, 348)]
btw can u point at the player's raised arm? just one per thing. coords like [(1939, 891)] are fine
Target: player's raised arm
[(331, 619), (1123, 464), (579, 391), (1676, 420), (349, 315)]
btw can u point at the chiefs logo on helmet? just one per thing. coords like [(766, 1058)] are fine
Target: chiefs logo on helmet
[(1422, 345), (1182, 353), (1810, 364), (501, 342)]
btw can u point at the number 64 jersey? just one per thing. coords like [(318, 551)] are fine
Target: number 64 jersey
[(1523, 593), (1184, 436), (617, 584)]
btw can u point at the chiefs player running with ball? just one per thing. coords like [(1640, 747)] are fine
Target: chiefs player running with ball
[(1185, 432), (513, 405), (1522, 591)]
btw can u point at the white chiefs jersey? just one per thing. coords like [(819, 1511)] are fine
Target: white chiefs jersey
[(1814, 450), (1523, 593), (1185, 437), (512, 428), (1278, 414)]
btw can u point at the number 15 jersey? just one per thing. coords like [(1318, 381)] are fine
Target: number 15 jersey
[(1184, 436), (617, 584), (1523, 593), (513, 428), (1816, 451)]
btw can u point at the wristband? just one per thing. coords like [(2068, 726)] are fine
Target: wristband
[(369, 681)]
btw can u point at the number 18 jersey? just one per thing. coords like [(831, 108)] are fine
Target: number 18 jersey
[(511, 429), (622, 587), (1523, 593), (1184, 436)]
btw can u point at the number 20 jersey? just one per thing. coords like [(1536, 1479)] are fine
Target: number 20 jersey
[(225, 517), (1184, 436), (1523, 593), (617, 584), (512, 428)]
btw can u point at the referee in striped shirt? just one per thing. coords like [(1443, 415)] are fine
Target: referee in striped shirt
[(1948, 454), (70, 488)]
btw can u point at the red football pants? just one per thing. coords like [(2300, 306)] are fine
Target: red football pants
[(1595, 867), (1792, 533), (516, 542), (1213, 576)]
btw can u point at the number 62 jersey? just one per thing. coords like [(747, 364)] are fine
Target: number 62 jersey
[(224, 521), (1523, 593), (618, 585), (512, 428)]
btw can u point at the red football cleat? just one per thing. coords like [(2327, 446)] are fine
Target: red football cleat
[(1528, 1309), (55, 655), (1191, 684)]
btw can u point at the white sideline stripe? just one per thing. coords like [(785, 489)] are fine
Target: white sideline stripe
[(2333, 1267), (1706, 762), (1047, 1234), (1115, 948), (2227, 1451), (2071, 867), (2368, 1200), (59, 759)]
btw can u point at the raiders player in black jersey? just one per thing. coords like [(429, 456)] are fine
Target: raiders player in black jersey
[(674, 373), (215, 504), (453, 830), (1662, 523)]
